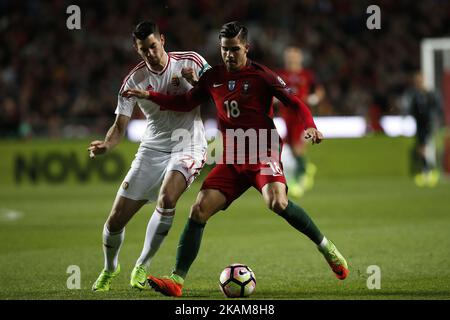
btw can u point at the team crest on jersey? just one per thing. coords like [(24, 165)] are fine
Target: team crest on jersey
[(175, 81), (245, 87), (231, 85), (281, 81), (149, 88)]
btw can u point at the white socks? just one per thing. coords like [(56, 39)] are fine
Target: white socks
[(157, 229), (112, 241), (324, 243)]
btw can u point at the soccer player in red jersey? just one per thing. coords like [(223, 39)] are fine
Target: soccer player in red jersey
[(242, 91), (303, 84)]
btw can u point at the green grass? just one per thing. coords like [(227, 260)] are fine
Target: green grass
[(366, 204)]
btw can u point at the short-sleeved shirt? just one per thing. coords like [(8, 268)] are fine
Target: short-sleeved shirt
[(161, 124)]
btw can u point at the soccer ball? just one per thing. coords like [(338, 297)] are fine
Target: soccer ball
[(237, 280)]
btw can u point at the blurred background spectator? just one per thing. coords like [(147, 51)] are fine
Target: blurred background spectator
[(60, 83)]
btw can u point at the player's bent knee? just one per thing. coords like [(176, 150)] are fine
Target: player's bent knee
[(198, 214), (114, 225), (167, 201), (278, 205), (115, 222)]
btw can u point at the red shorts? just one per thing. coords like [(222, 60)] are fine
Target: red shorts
[(234, 179)]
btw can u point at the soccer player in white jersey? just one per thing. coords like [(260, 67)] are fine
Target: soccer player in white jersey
[(163, 167)]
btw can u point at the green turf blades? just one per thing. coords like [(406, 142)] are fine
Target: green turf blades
[(374, 212)]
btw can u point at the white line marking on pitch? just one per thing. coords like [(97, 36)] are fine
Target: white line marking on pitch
[(10, 215)]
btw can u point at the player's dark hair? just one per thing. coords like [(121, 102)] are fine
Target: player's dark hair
[(232, 29), (144, 29)]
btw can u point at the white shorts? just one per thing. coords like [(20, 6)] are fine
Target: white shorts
[(149, 168)]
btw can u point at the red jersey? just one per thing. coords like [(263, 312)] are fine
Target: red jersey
[(243, 98), (301, 83)]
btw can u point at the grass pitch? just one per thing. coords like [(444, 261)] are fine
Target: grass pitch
[(363, 200)]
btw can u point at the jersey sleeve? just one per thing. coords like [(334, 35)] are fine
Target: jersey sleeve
[(282, 92), (125, 106), (202, 67), (183, 102)]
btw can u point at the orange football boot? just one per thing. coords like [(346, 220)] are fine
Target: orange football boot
[(335, 260), (166, 286)]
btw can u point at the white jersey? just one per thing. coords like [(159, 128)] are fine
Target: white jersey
[(161, 124)]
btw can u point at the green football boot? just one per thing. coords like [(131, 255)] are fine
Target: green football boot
[(295, 189), (420, 180), (311, 170), (335, 259), (138, 277), (103, 282), (433, 178)]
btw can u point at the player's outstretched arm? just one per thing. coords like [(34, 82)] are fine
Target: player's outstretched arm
[(311, 132), (182, 102), (290, 100), (113, 137)]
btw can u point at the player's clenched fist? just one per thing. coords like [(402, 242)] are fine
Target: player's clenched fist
[(97, 147), (314, 135), (190, 75), (140, 94)]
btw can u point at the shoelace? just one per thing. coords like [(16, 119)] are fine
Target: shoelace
[(141, 272), (334, 257), (104, 278)]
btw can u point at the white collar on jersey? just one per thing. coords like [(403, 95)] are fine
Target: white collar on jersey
[(163, 69)]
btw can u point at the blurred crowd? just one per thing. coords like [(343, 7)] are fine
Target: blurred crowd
[(63, 83)]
